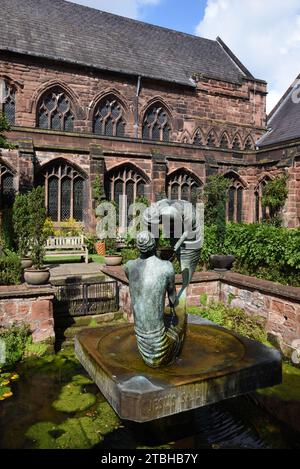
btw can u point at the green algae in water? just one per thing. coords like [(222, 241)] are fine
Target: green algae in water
[(75, 433), (289, 390), (73, 397)]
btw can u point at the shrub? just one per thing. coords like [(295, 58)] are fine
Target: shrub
[(37, 218), (129, 254), (15, 338), (216, 195), (10, 269), (90, 239), (21, 221), (262, 250), (234, 319), (7, 234), (275, 194), (69, 227)]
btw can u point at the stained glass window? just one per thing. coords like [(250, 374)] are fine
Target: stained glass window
[(109, 118), (156, 124), (182, 185), (55, 111), (64, 190)]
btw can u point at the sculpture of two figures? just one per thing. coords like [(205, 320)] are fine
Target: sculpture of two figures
[(160, 330)]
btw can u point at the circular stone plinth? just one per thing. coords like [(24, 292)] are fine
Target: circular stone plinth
[(207, 351)]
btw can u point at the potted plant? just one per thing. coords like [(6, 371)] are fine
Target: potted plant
[(112, 256), (38, 274), (21, 223), (216, 194)]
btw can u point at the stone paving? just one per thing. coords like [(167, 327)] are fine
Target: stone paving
[(79, 270)]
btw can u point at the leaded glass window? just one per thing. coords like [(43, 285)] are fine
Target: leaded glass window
[(6, 186), (156, 124), (109, 118), (235, 201), (64, 192), (55, 111), (181, 185), (8, 101), (260, 210), (125, 181)]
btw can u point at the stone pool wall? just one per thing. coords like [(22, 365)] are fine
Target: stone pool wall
[(277, 305), (31, 305)]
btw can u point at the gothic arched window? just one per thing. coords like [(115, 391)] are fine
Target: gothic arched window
[(211, 139), (236, 145), (181, 185), (198, 139), (249, 144), (235, 200), (109, 118), (260, 210), (64, 192), (55, 111), (8, 101), (224, 143), (6, 186), (125, 181), (156, 124)]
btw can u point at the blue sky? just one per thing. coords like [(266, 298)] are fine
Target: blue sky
[(182, 15), (264, 34)]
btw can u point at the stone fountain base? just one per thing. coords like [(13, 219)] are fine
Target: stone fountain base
[(215, 364)]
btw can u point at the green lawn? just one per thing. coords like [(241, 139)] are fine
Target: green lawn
[(73, 259)]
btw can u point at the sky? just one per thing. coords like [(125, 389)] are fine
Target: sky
[(264, 34)]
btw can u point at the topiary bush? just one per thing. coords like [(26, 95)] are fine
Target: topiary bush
[(10, 269)]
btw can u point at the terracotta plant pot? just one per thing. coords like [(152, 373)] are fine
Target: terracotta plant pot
[(37, 277), (113, 260), (26, 263), (221, 263), (100, 248)]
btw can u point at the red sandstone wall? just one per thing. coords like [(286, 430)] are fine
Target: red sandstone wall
[(21, 304)]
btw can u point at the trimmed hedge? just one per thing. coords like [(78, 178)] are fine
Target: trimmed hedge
[(262, 250), (10, 269)]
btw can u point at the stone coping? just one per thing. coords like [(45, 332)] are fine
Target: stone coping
[(232, 278), (25, 291)]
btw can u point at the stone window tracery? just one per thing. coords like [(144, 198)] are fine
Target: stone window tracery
[(181, 185), (156, 124), (55, 111), (64, 192), (8, 101), (6, 186), (109, 118)]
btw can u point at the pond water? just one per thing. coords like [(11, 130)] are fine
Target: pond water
[(55, 405)]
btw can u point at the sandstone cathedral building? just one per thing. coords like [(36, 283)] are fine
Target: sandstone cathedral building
[(150, 111)]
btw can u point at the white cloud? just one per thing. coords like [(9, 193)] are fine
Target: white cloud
[(265, 36), (129, 8)]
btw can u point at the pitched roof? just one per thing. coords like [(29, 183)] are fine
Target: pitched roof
[(69, 32), (284, 120)]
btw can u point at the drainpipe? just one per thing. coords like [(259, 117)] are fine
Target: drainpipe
[(136, 108)]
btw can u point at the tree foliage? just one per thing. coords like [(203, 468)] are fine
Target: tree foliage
[(274, 197)]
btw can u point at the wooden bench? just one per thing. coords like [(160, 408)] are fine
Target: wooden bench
[(60, 246)]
